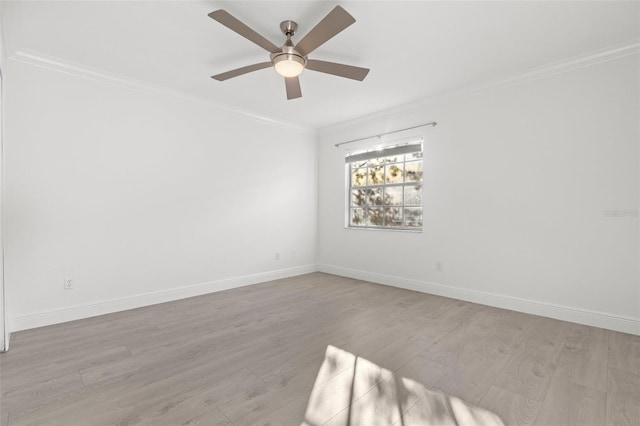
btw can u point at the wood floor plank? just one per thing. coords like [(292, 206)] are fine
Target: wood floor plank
[(530, 370), (623, 398), (208, 418), (433, 408), (314, 349), (391, 358), (261, 401), (291, 414), (423, 370), (478, 365), (583, 356), (624, 352), (142, 400), (36, 390), (21, 375), (567, 402), (449, 316), (199, 403), (512, 408), (471, 381), (471, 326), (67, 348)]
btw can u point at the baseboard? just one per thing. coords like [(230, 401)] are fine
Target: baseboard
[(122, 304), (565, 313)]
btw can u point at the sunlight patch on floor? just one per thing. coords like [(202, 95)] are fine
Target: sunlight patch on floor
[(351, 390)]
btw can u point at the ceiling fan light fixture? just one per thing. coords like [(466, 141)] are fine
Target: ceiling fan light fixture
[(289, 60), (289, 64)]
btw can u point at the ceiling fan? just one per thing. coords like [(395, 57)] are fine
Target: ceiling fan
[(290, 60)]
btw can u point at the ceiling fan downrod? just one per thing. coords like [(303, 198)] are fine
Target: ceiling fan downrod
[(288, 62)]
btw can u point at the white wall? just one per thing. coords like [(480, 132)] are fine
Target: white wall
[(4, 333), (136, 194), (143, 196), (517, 182)]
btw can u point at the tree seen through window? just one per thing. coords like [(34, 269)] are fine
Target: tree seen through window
[(385, 191)]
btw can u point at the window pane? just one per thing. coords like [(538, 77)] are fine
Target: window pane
[(413, 171), (393, 216), (358, 197), (387, 160), (358, 176), (413, 195), (376, 161), (357, 217), (394, 173), (374, 197), (413, 216), (393, 196), (375, 175), (374, 216), (386, 189)]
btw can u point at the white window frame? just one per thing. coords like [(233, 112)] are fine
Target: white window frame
[(406, 145)]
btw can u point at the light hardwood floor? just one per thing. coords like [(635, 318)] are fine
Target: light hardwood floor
[(319, 349)]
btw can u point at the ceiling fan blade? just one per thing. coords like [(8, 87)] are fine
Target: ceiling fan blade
[(337, 20), (239, 71), (293, 87), (229, 21), (342, 70)]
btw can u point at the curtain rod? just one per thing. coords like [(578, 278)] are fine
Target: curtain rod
[(433, 123)]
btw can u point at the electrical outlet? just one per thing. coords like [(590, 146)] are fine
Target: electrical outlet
[(68, 283), (439, 266), (277, 256)]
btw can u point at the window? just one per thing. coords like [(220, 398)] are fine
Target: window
[(385, 187)]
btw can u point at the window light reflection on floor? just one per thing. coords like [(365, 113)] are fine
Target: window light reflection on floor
[(351, 390)]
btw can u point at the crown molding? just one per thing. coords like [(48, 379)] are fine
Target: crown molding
[(78, 70), (536, 73)]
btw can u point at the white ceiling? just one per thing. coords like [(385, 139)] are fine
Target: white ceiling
[(415, 49)]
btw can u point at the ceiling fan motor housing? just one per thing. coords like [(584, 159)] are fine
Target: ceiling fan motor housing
[(288, 52), (295, 57)]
